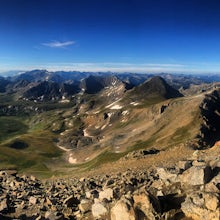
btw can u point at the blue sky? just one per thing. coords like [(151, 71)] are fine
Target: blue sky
[(110, 35)]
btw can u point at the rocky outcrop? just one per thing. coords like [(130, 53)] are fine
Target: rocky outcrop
[(210, 128), (189, 189), (138, 154)]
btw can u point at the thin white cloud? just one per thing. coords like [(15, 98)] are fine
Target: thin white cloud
[(59, 44), (118, 67), (113, 67)]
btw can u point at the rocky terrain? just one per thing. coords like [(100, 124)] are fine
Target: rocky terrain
[(109, 146), (190, 189)]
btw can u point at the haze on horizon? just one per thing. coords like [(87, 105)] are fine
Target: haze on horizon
[(110, 35)]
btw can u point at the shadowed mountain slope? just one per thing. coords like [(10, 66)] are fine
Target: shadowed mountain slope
[(94, 84), (50, 91), (3, 84), (155, 87)]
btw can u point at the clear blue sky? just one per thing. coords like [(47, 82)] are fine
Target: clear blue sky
[(115, 35)]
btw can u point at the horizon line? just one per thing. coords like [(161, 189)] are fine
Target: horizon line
[(193, 68), (20, 71)]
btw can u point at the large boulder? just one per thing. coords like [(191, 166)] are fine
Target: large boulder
[(122, 210), (184, 164), (166, 175), (196, 175), (3, 205), (99, 210), (213, 185), (201, 206), (106, 194), (85, 205), (146, 206)]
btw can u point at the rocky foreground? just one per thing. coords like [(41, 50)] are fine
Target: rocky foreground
[(188, 190)]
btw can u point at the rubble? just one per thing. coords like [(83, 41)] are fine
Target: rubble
[(190, 189)]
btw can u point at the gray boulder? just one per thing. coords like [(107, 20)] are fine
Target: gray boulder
[(196, 175)]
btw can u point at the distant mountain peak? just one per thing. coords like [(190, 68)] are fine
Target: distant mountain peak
[(156, 87)]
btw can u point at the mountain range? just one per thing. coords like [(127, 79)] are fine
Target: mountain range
[(61, 121)]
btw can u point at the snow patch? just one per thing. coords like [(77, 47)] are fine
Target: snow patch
[(86, 134), (64, 101), (70, 124), (64, 132), (112, 104), (96, 112), (116, 107), (134, 103), (114, 82), (103, 127), (109, 114), (125, 112), (71, 159)]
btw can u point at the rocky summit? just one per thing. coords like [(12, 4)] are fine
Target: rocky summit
[(188, 190)]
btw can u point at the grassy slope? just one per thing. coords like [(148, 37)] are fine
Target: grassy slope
[(11, 126), (42, 152), (35, 158), (35, 133)]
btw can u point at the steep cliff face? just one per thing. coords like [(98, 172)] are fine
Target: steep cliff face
[(210, 111)]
